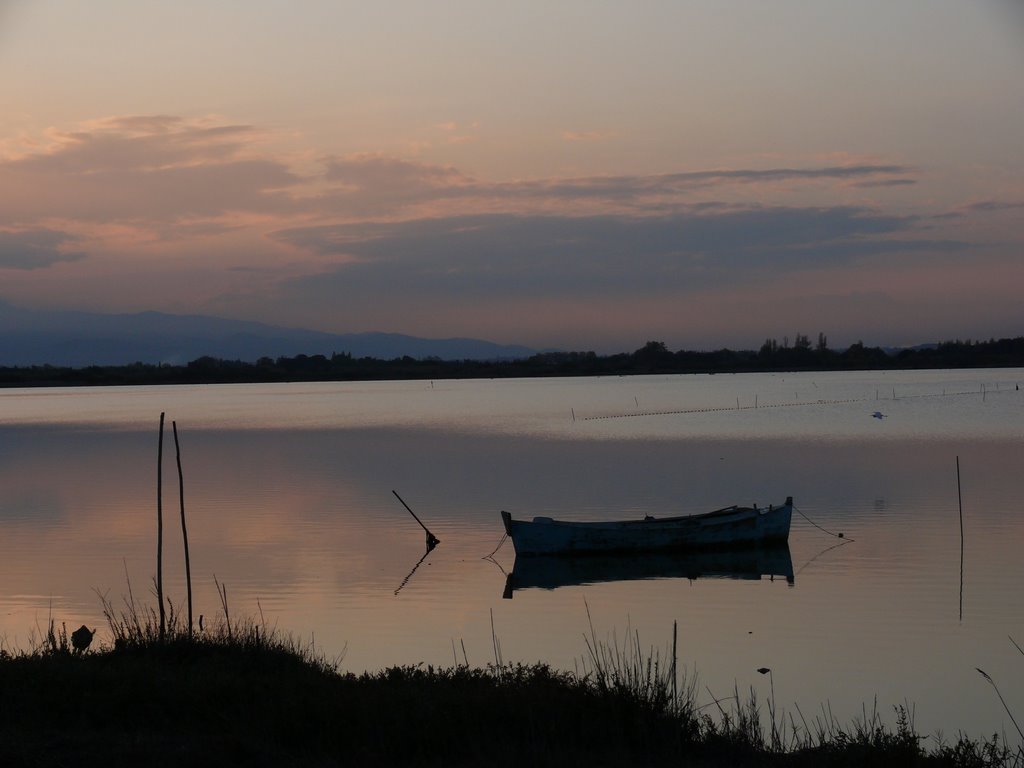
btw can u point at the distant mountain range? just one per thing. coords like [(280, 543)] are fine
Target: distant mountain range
[(78, 339)]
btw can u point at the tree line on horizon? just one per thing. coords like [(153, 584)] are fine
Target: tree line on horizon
[(653, 358)]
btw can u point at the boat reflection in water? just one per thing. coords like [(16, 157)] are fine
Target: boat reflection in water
[(552, 572)]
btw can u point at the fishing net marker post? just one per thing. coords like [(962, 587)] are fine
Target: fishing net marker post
[(432, 540)]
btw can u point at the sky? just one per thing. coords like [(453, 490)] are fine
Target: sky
[(576, 175)]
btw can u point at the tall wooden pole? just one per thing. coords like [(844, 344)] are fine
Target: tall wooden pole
[(160, 529), (184, 530), (960, 502)]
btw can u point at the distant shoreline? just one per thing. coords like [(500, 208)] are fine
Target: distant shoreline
[(653, 358)]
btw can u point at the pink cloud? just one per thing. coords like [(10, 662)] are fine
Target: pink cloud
[(143, 168), (213, 213)]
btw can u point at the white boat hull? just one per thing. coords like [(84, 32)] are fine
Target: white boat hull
[(733, 526)]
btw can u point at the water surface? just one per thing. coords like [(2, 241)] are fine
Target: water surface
[(288, 495)]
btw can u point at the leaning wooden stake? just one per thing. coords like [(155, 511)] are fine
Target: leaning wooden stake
[(184, 530), (432, 540), (160, 529)]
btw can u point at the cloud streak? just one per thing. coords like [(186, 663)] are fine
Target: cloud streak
[(376, 186), (145, 169), (504, 254), (34, 249), (992, 206)]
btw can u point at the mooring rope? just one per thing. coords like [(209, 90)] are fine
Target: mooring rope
[(842, 543), (488, 557), (805, 517)]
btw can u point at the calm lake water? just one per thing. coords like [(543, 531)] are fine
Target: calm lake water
[(288, 491)]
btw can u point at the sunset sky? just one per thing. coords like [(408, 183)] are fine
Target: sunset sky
[(583, 175)]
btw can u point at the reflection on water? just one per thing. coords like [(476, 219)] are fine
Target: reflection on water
[(552, 572), (289, 503), (431, 543)]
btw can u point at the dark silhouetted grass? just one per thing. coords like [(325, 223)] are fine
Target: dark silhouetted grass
[(238, 693)]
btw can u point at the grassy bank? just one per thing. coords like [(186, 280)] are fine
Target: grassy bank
[(240, 694)]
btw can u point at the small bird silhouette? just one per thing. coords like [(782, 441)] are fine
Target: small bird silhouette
[(81, 638)]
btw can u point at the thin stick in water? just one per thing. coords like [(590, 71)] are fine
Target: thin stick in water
[(960, 502), (432, 540), (675, 673), (160, 529), (184, 530)]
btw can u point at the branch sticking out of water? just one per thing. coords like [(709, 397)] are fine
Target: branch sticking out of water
[(160, 528)]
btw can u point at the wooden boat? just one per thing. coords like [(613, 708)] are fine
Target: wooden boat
[(742, 562), (728, 527)]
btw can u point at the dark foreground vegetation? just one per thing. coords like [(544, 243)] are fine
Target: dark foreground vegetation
[(244, 695), (654, 357)]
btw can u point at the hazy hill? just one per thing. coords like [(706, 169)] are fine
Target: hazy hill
[(35, 337)]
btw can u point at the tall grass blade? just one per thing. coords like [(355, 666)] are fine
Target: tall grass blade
[(1002, 700)]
